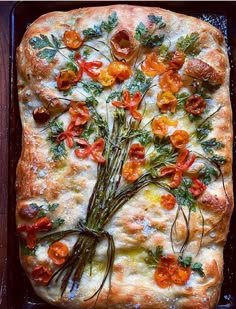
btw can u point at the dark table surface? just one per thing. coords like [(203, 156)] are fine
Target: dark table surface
[(5, 8)]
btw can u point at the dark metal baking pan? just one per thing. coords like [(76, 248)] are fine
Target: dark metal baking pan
[(221, 15)]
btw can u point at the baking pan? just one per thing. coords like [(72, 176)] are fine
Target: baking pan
[(220, 14)]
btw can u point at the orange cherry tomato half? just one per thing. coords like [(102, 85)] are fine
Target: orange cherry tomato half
[(68, 137), (176, 179), (72, 39), (167, 170), (166, 101), (65, 79), (168, 201), (119, 70), (79, 112), (177, 60), (41, 274), (105, 78), (166, 268), (137, 153), (92, 68), (179, 139), (131, 170), (152, 66), (160, 125), (198, 187), (58, 252), (84, 150), (171, 81), (181, 275)]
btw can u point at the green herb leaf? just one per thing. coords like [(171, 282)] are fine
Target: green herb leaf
[(143, 136), (198, 268), (27, 251), (189, 44), (58, 222), (92, 33), (204, 93), (218, 160), (203, 130), (111, 23), (56, 42), (208, 174), (164, 53), (52, 207), (88, 131), (157, 20), (86, 53), (71, 66), (114, 95), (57, 149), (148, 39), (210, 145), (47, 54), (182, 98), (154, 256), (183, 196), (92, 87), (34, 205), (185, 262), (139, 83), (40, 42), (42, 213)]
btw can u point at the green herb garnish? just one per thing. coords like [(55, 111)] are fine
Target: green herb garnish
[(92, 87), (57, 149), (198, 268), (147, 38), (189, 44), (49, 48), (139, 82), (183, 196), (210, 145), (207, 174), (185, 262), (152, 260), (58, 222)]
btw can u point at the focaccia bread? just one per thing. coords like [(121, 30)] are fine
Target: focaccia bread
[(124, 184)]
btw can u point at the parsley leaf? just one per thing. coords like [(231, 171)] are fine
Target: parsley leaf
[(146, 38), (52, 207), (211, 144), (86, 53), (143, 136), (203, 130), (198, 268), (89, 130), (58, 222), (157, 20), (183, 196), (207, 174), (97, 30), (111, 23), (42, 213), (154, 256), (219, 160), (189, 44), (139, 83), (57, 149), (182, 98), (27, 251), (114, 95), (92, 87), (71, 66), (43, 41), (185, 262)]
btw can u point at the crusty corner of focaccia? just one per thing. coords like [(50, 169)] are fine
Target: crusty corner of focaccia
[(124, 184)]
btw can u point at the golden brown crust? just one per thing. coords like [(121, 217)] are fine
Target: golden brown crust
[(142, 223)]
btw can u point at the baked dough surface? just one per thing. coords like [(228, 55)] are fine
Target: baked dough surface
[(141, 224)]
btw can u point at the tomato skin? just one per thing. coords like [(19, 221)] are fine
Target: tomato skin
[(58, 252), (41, 274), (152, 66), (171, 81), (179, 139), (119, 70), (166, 101), (96, 150), (130, 103), (168, 201), (137, 153), (65, 79), (176, 179), (170, 272), (79, 112), (68, 136), (198, 187), (195, 105), (131, 171), (105, 78), (177, 60), (84, 151), (91, 68), (42, 225), (72, 39), (160, 125), (167, 170)]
